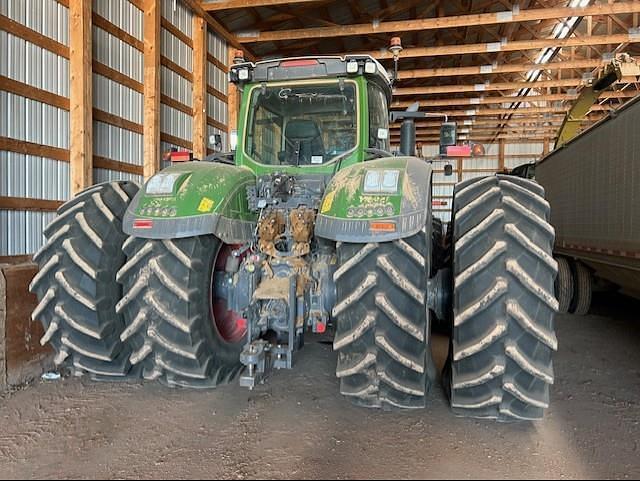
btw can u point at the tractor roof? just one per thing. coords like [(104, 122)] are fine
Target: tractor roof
[(305, 68)]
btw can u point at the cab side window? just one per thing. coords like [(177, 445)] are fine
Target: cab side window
[(378, 118)]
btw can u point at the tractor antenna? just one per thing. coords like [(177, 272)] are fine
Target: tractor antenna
[(396, 48)]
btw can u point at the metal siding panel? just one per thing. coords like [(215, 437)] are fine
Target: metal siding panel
[(117, 99), (179, 15), (103, 175), (176, 87), (33, 177), (32, 121), (117, 144)]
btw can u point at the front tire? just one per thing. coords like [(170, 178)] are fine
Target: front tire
[(169, 310), (500, 361), (383, 331)]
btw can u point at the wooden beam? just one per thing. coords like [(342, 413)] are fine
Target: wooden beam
[(438, 23), (33, 93), (196, 7), (36, 150), (170, 139), (116, 121), (622, 94), (176, 32), (105, 71), (235, 4), (497, 69), (81, 95), (520, 111), (200, 83), (463, 131), (152, 94), (501, 154), (174, 67), (234, 102), (108, 164), (25, 33), (117, 32), (508, 46), (174, 104), (434, 140), (22, 203), (495, 87)]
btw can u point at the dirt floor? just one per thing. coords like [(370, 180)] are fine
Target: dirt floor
[(299, 427)]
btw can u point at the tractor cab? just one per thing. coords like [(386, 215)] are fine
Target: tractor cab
[(311, 112)]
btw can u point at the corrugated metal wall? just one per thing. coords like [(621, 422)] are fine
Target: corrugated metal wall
[(25, 176), (27, 120), (173, 122), (217, 78), (112, 142)]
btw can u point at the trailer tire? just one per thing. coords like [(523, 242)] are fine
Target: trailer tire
[(169, 311), (565, 285), (76, 287), (500, 361), (383, 323), (583, 293)]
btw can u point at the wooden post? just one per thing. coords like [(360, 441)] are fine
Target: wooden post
[(547, 147), (200, 68), (152, 94), (234, 100), (81, 95), (502, 156)]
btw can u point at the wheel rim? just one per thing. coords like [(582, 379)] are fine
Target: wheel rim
[(231, 326)]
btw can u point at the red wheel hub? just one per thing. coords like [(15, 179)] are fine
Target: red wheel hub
[(231, 326)]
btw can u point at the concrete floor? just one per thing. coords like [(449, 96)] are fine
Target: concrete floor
[(299, 427)]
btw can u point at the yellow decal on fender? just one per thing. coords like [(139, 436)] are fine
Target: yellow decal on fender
[(328, 202), (206, 205)]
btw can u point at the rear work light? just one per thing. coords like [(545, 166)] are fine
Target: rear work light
[(143, 224), (307, 62), (382, 226), (180, 156)]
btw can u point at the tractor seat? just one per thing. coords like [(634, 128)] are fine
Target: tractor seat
[(304, 141)]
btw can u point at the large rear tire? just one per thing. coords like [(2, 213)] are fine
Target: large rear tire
[(76, 286), (383, 331), (500, 362), (169, 311)]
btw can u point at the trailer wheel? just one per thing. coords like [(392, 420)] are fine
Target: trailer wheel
[(500, 361), (180, 332), (583, 292), (383, 331), (76, 286), (565, 285)]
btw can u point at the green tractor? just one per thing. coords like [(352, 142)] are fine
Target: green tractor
[(215, 270)]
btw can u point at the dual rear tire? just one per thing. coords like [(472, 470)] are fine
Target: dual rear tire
[(500, 360), (115, 307)]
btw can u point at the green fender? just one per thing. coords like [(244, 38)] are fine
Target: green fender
[(206, 198), (348, 213)]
